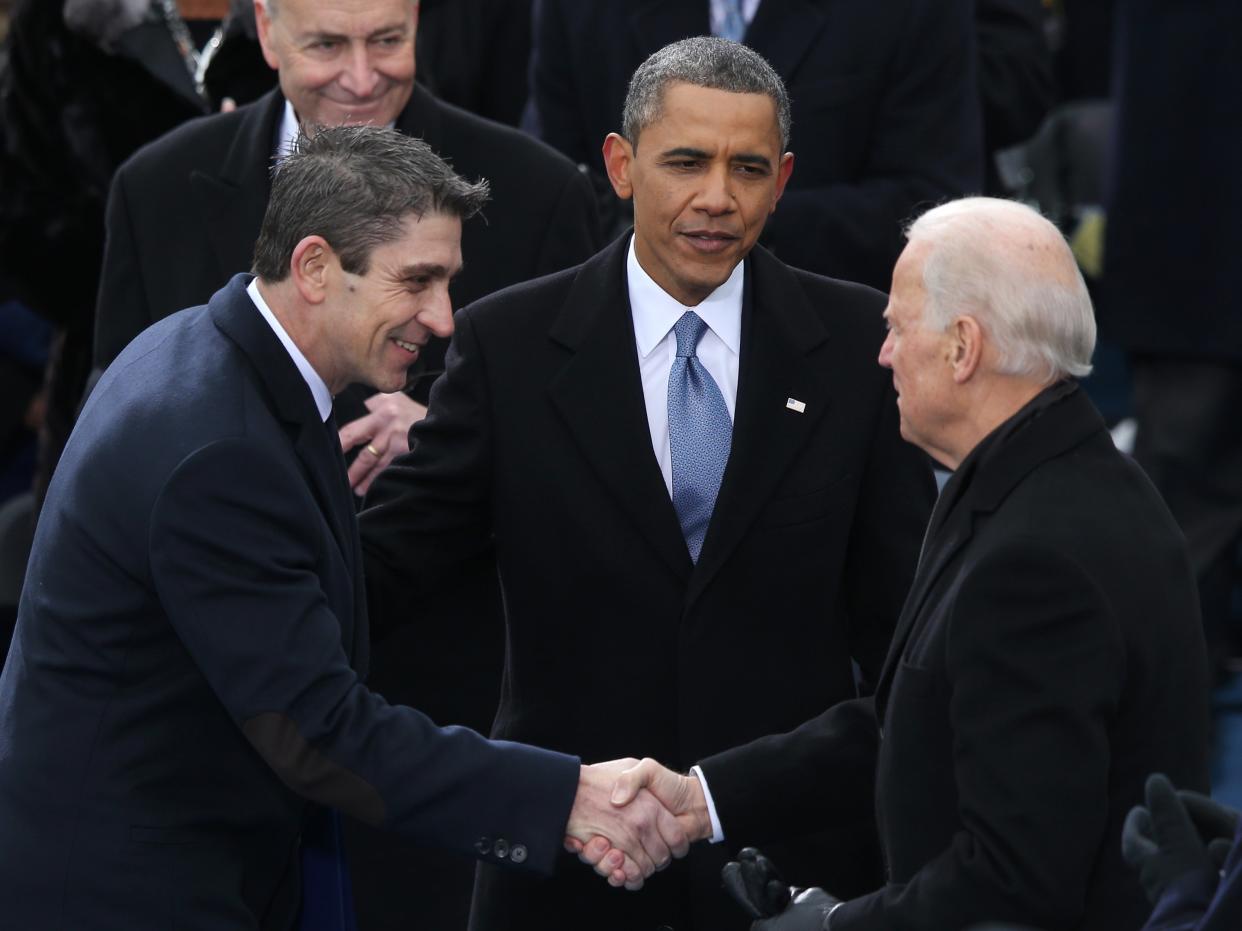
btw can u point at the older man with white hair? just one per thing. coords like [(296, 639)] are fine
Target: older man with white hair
[(1048, 656)]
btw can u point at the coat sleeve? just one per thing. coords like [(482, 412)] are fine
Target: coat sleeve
[(236, 562), (779, 786), (927, 147), (1036, 665)]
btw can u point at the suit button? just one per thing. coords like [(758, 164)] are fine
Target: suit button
[(483, 845), (518, 853), (502, 848)]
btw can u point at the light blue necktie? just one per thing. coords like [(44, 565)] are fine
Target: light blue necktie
[(733, 25), (699, 432)]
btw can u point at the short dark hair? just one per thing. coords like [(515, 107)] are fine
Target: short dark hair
[(355, 186), (704, 61)]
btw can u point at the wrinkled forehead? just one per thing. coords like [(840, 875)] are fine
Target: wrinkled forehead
[(342, 17)]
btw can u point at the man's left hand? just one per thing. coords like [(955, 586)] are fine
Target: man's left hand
[(383, 435)]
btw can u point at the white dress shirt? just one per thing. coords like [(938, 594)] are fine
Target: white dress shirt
[(654, 313), (318, 387)]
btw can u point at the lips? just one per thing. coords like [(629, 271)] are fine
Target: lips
[(709, 242), (411, 349)]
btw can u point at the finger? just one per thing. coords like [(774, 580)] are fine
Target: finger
[(594, 850), (572, 844), (228, 105), (634, 873), (1136, 842), (733, 877), (1169, 821), (649, 809), (363, 471), (360, 430), (1211, 817), (672, 833)]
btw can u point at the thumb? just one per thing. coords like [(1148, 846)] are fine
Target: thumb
[(1169, 821), (630, 782)]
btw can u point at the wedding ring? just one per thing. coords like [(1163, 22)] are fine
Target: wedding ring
[(372, 450)]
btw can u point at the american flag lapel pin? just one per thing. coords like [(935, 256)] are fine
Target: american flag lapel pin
[(793, 404)]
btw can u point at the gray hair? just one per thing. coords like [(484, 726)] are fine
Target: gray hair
[(704, 61), (355, 186), (1005, 265)]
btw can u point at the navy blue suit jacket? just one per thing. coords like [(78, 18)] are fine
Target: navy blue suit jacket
[(186, 675)]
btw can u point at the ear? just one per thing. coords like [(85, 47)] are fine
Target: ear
[(965, 348), (311, 268), (264, 24), (783, 171), (618, 159)]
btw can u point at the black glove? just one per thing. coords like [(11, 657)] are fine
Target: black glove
[(755, 884), (808, 911), (1217, 823), (1162, 842)]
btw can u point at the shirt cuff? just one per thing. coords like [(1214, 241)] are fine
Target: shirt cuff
[(717, 832)]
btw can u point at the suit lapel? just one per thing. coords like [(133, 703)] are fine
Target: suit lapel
[(1059, 427), (599, 394), (780, 333), (291, 402), (784, 32), (233, 200)]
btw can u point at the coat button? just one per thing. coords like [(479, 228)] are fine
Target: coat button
[(502, 848), (518, 853), (483, 845)]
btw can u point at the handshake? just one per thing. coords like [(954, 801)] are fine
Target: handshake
[(631, 818)]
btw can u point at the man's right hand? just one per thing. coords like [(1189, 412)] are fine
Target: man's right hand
[(626, 844)]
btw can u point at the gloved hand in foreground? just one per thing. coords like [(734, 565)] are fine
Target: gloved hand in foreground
[(1162, 842), (755, 884)]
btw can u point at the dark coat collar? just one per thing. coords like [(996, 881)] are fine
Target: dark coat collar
[(1059, 419), (290, 399)]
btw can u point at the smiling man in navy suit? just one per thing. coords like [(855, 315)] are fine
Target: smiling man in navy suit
[(185, 688)]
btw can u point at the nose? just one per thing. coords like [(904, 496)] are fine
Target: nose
[(886, 351), (359, 77), (715, 197), (437, 315)]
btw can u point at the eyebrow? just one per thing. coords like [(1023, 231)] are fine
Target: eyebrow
[(744, 158), (420, 269), (341, 37)]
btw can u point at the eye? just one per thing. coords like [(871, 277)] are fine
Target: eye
[(390, 42), (325, 45)]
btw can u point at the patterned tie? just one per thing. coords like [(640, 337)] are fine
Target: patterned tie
[(732, 23), (700, 434)]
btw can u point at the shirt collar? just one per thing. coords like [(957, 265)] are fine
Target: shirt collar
[(318, 387), (288, 132), (655, 311)]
